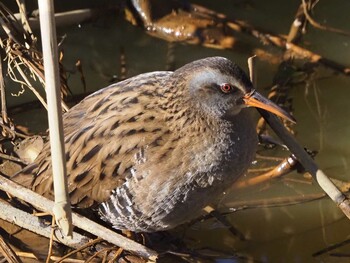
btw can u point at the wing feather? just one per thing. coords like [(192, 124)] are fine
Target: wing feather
[(103, 134)]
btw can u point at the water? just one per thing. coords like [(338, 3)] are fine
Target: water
[(276, 234)]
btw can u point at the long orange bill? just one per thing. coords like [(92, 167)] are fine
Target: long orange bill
[(255, 99)]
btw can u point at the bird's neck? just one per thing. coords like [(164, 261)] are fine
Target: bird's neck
[(183, 117)]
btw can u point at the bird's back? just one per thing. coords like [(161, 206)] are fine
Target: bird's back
[(103, 133)]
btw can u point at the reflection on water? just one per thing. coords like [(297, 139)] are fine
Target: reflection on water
[(281, 233)]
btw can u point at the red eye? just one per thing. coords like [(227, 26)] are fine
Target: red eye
[(226, 88)]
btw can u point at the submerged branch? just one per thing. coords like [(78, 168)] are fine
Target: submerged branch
[(308, 163), (304, 158), (235, 206), (281, 42), (283, 168)]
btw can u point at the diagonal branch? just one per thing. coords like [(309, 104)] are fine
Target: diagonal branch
[(79, 221)]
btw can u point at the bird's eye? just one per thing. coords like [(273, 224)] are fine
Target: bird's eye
[(227, 88)]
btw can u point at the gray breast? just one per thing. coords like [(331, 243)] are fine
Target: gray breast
[(213, 170)]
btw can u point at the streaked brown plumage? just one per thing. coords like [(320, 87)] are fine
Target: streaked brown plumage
[(149, 152)]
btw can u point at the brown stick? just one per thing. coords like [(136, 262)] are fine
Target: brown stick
[(12, 158), (296, 28), (91, 243), (82, 222), (32, 223), (281, 42), (2, 94), (261, 178), (313, 57), (7, 252)]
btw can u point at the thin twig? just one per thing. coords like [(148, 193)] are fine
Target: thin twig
[(315, 24), (273, 202), (261, 169), (24, 19), (98, 253), (26, 255), (252, 74), (116, 256), (89, 244), (69, 260), (79, 67), (7, 21), (8, 253), (13, 132), (331, 247), (49, 253), (21, 47), (269, 158), (2, 94), (54, 258), (36, 93), (104, 259), (12, 158), (223, 220), (297, 27)]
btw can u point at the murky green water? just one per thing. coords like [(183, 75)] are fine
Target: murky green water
[(279, 234)]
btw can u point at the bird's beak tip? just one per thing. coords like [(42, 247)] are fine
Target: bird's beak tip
[(255, 99)]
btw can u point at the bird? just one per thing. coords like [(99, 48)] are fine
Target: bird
[(148, 153)]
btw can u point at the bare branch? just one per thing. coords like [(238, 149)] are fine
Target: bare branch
[(315, 24), (47, 205), (8, 253)]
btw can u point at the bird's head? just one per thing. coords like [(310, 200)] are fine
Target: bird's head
[(220, 88)]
